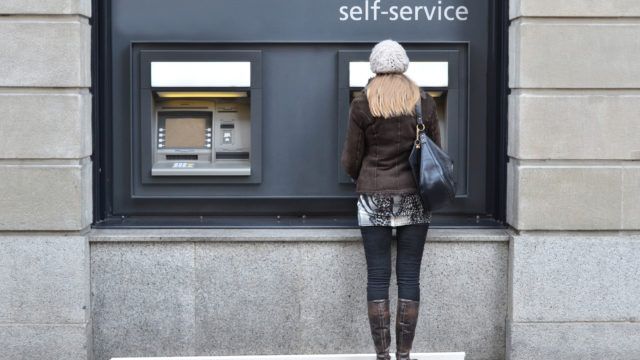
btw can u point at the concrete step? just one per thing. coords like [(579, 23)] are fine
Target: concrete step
[(417, 356)]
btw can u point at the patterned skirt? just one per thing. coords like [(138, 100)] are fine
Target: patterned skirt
[(391, 210)]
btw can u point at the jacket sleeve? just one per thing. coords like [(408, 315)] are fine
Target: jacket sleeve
[(354, 143), (433, 127)]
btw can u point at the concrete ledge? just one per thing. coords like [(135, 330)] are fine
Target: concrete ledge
[(590, 53), (574, 8), (45, 53), (574, 341), (49, 7), (304, 235)]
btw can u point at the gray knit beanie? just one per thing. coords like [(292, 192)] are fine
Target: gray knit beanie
[(388, 57)]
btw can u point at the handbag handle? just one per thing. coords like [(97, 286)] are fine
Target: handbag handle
[(420, 125)]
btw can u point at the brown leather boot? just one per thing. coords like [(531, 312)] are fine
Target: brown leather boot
[(406, 320), (380, 322)]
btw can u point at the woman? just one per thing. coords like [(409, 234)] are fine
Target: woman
[(380, 137)]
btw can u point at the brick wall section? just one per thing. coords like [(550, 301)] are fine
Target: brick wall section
[(45, 179), (574, 180)]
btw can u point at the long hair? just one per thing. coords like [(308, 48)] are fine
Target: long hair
[(392, 94)]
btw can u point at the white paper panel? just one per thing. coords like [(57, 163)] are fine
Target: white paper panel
[(424, 73), (201, 74)]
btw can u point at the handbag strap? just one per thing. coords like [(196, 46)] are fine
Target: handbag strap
[(419, 111), (420, 125)]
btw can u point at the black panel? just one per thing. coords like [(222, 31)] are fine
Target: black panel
[(138, 125), (301, 102)]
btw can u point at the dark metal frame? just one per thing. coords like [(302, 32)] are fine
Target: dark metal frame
[(142, 96), (101, 157)]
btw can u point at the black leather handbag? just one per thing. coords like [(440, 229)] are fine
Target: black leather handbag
[(432, 169)]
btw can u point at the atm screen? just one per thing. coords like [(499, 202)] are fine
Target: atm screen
[(184, 131), (187, 132)]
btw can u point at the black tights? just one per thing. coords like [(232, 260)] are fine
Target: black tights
[(377, 246)]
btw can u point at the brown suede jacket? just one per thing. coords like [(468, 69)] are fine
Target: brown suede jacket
[(376, 150)]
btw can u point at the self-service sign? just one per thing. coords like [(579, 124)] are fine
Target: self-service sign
[(377, 10), (303, 20)]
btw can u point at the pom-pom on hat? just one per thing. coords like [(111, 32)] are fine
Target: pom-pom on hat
[(388, 56)]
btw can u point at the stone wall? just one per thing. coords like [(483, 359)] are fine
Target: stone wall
[(285, 291), (567, 280), (574, 180), (45, 179)]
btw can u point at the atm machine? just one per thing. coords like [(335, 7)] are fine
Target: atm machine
[(441, 73), (200, 118), (201, 136)]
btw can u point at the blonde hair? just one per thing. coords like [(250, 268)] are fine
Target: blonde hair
[(392, 94)]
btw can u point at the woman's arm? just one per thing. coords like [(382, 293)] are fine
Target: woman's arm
[(353, 148)]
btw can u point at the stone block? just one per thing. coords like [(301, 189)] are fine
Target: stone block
[(318, 292), (45, 124), (249, 299), (86, 192), (142, 299), (464, 299), (563, 196), (575, 278), (630, 197), (587, 54), (332, 292), (45, 279), (45, 197), (574, 8), (53, 7), (50, 341), (315, 291), (45, 53), (512, 201), (574, 341), (574, 125)]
